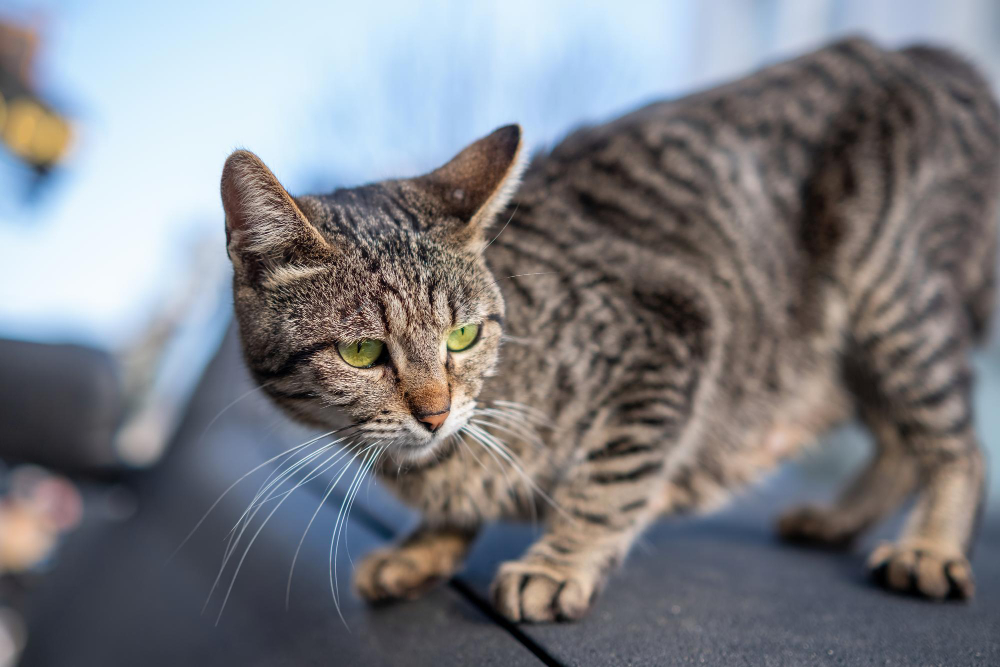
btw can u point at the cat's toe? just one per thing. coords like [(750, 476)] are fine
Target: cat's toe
[(921, 570), (529, 593), (815, 526), (393, 574)]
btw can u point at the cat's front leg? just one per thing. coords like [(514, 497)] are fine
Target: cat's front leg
[(601, 512), (427, 557), (539, 589)]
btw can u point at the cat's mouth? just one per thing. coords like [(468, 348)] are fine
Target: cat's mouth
[(419, 447)]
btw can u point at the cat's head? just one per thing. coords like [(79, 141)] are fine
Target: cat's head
[(374, 302)]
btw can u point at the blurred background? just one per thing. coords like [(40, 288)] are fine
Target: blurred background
[(116, 117)]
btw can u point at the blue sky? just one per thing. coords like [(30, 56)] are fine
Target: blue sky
[(335, 93)]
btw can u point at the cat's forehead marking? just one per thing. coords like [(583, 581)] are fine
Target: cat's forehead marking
[(393, 276)]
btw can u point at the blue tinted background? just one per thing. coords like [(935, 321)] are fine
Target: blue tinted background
[(335, 93)]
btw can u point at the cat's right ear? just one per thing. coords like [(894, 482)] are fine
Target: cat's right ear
[(478, 182), (265, 228)]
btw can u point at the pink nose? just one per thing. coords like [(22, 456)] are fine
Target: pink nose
[(434, 421)]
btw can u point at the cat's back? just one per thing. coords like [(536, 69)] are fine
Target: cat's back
[(793, 113), (775, 173), (776, 199)]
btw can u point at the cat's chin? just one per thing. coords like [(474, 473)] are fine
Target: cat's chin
[(421, 451), (416, 454)]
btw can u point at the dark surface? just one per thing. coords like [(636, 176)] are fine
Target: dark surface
[(59, 405), (717, 590), (721, 591), (114, 599)]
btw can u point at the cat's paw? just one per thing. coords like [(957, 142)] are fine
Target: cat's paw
[(538, 593), (816, 526), (923, 570), (396, 574)]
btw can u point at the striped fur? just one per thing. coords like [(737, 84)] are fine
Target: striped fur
[(685, 296)]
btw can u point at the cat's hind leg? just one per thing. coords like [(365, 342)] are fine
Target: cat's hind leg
[(877, 491), (913, 345)]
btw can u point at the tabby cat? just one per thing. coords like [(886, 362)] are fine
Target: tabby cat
[(653, 314)]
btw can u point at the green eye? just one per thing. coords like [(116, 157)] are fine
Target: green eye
[(462, 338), (362, 353)]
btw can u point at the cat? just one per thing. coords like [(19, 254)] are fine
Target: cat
[(648, 317)]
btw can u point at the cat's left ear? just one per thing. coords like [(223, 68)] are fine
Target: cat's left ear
[(265, 227), (480, 181)]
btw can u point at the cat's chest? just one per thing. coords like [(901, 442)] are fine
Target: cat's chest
[(484, 475)]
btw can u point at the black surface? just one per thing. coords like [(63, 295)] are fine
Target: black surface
[(113, 599), (59, 405), (720, 590), (717, 590)]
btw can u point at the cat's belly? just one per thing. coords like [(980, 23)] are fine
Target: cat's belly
[(801, 419), (726, 460)]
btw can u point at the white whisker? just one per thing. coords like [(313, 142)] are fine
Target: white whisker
[(272, 487), (461, 435), (246, 551), (334, 541), (475, 434), (317, 471), (540, 416), (235, 401), (509, 455), (287, 452), (520, 433), (502, 228), (495, 443), (236, 537), (326, 496)]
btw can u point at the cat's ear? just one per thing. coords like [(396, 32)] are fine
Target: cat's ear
[(478, 182), (264, 226)]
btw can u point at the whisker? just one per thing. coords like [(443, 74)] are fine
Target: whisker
[(511, 457), (371, 465), (517, 275), (232, 486), (246, 551), (489, 450), (268, 482), (520, 433), (469, 449), (316, 472), (516, 206), (334, 582), (526, 420), (542, 418), (226, 409), (505, 452), (236, 537), (271, 488), (326, 496)]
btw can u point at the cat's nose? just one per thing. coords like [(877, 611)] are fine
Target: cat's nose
[(433, 421)]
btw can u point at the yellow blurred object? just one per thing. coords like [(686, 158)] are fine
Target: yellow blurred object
[(33, 133), (51, 139), (29, 128), (19, 130)]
